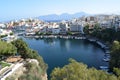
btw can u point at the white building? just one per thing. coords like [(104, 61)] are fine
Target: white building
[(76, 28), (55, 30), (2, 25), (43, 29), (5, 32), (106, 24), (63, 28)]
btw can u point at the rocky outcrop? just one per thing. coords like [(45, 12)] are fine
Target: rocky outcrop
[(23, 70)]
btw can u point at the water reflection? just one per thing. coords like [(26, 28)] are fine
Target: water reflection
[(56, 52)]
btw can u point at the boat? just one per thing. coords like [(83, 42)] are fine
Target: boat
[(103, 67), (92, 40), (107, 52), (101, 44), (106, 59), (36, 36), (107, 55)]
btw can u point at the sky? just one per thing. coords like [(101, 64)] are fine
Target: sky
[(13, 9)]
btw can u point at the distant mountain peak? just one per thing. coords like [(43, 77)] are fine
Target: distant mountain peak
[(64, 16)]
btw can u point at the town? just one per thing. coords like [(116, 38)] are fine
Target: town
[(31, 26), (73, 29)]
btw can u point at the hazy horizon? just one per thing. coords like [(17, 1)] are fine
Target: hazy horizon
[(16, 9)]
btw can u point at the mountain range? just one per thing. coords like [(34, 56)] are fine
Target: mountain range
[(64, 16)]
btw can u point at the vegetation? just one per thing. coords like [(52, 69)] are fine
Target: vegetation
[(7, 49), (101, 33), (69, 33), (26, 52), (79, 71), (117, 72), (86, 29), (22, 47), (115, 55), (11, 78), (11, 33), (33, 72), (74, 70), (39, 33), (4, 64), (2, 36), (112, 36), (48, 33)]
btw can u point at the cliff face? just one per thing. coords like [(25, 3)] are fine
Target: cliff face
[(44, 77), (29, 71)]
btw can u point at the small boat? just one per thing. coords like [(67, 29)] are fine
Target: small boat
[(107, 55), (107, 52), (36, 36), (106, 59), (103, 67)]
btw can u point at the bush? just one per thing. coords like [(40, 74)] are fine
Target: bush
[(2, 36), (11, 33), (26, 52), (7, 49), (79, 71)]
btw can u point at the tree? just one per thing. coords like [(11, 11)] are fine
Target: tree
[(79, 71), (69, 33), (33, 72), (86, 29), (11, 33), (2, 36), (22, 47), (116, 71), (26, 52), (7, 49), (115, 55), (117, 35)]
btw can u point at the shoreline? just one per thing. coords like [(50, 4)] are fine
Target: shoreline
[(88, 39), (100, 43)]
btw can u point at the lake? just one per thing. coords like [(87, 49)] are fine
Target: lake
[(56, 52)]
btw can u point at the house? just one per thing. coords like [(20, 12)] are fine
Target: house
[(106, 24), (63, 28), (2, 25), (55, 30), (5, 32), (43, 29), (76, 28)]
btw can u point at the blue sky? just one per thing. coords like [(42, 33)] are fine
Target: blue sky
[(13, 9)]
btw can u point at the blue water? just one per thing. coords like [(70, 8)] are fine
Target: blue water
[(56, 52)]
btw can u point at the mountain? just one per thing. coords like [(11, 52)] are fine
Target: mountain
[(64, 16)]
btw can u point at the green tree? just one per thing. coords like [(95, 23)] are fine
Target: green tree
[(7, 49), (22, 47), (11, 33), (115, 55), (26, 52), (116, 71), (33, 72), (2, 36), (86, 29), (79, 71), (69, 33), (117, 35)]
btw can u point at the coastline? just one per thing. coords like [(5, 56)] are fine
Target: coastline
[(102, 44)]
